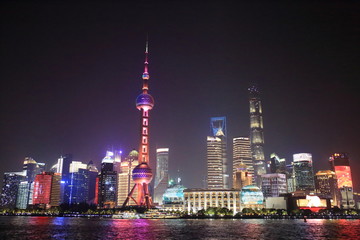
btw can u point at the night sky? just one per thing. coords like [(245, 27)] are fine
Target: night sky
[(70, 74)]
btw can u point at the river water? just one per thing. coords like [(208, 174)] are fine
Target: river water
[(95, 228)]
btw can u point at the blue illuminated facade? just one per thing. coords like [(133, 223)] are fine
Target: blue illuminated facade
[(251, 195)]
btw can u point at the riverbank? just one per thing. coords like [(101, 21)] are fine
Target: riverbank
[(143, 216)]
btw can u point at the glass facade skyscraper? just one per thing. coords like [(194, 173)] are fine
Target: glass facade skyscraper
[(10, 188), (217, 166), (107, 182), (162, 175), (125, 180), (257, 133), (303, 172), (242, 155)]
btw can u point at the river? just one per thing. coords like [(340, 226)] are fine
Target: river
[(25, 227)]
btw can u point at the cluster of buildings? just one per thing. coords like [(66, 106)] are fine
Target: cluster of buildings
[(253, 182), (248, 181), (74, 182)]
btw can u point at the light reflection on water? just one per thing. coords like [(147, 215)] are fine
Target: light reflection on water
[(34, 228)]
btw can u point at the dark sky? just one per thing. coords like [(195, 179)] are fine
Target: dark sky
[(70, 74)]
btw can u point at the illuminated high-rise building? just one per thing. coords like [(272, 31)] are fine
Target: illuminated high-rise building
[(273, 184), (125, 180), (107, 182), (63, 168), (77, 190), (242, 154), (217, 168), (162, 176), (142, 174), (215, 178), (257, 133), (31, 168), (303, 172), (277, 164), (47, 189), (242, 177), (326, 185), (10, 188), (340, 164), (93, 173)]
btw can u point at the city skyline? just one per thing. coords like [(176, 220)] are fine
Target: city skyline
[(71, 82)]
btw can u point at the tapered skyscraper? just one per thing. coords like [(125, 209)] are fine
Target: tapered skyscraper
[(256, 133), (142, 174), (162, 177)]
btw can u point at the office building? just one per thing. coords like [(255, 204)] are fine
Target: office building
[(257, 133), (242, 154), (340, 164), (32, 168), (242, 176), (162, 175), (125, 180), (107, 182), (47, 190), (10, 188), (22, 200), (303, 172), (77, 190), (93, 173), (326, 185), (273, 184), (217, 176), (277, 164)]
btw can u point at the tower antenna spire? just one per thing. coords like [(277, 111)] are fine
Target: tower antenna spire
[(142, 173), (146, 75)]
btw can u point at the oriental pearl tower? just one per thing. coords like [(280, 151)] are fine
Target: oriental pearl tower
[(142, 174)]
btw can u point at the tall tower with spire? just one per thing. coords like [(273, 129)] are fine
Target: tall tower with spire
[(142, 174)]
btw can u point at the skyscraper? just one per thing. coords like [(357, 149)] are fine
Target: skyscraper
[(340, 164), (242, 154), (31, 168), (63, 168), (303, 172), (326, 185), (93, 173), (257, 133), (47, 189), (273, 184), (142, 174), (10, 188), (107, 182), (78, 188), (277, 165), (162, 176), (217, 174), (215, 178), (125, 180)]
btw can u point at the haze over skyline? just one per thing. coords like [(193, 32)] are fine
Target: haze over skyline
[(71, 74)]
